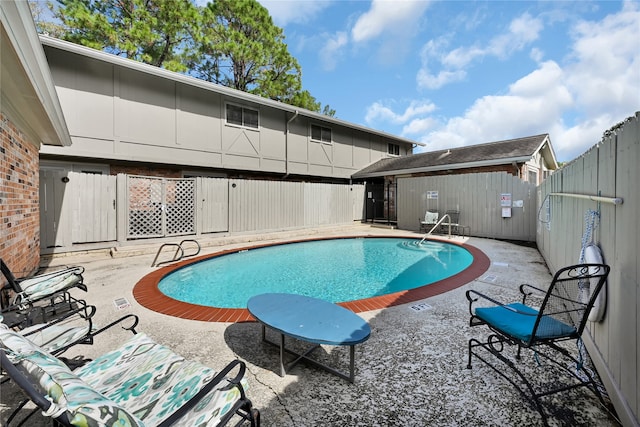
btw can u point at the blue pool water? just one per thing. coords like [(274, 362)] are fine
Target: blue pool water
[(335, 270)]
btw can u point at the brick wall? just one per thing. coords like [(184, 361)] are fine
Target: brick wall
[(155, 171), (19, 204)]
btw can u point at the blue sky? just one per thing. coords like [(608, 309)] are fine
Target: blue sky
[(457, 73)]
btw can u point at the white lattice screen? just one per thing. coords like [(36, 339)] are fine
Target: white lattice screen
[(161, 206)]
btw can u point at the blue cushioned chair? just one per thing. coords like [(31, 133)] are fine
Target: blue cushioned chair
[(559, 315)]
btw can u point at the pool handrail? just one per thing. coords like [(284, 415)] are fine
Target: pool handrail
[(445, 216), (179, 250)]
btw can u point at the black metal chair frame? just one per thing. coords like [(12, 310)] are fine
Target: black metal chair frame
[(569, 299), (84, 312), (13, 284), (243, 407)]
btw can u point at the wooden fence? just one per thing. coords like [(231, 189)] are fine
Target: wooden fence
[(609, 170), (103, 209), (480, 198)]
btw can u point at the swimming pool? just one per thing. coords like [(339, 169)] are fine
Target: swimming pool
[(359, 273), (335, 270)]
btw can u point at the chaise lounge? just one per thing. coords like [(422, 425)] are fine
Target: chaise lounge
[(141, 383), (49, 285)]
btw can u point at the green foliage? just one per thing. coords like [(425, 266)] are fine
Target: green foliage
[(230, 42), (43, 26), (243, 49), (156, 32)]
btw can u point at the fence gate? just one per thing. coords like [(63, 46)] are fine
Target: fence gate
[(159, 207)]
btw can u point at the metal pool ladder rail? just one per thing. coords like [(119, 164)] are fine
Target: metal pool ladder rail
[(179, 254), (445, 216)]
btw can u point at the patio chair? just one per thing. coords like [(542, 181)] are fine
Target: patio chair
[(72, 328), (49, 285), (544, 326), (451, 223), (141, 383), (430, 220)]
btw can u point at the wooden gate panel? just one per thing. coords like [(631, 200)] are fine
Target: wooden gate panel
[(93, 207), (213, 204)]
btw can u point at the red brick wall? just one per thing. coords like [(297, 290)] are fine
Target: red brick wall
[(154, 171), (19, 204)]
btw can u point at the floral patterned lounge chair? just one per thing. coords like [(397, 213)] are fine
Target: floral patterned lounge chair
[(32, 289), (140, 384)]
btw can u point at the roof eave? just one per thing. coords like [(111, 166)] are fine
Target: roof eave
[(452, 166), (548, 153), (31, 98)]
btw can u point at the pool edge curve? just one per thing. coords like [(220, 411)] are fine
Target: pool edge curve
[(147, 294)]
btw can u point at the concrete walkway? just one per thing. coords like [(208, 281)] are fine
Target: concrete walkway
[(411, 372)]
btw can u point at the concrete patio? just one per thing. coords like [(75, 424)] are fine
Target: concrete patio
[(411, 372)]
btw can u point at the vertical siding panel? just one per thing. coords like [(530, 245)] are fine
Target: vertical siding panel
[(625, 286), (477, 196)]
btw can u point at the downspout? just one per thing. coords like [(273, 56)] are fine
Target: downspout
[(286, 145)]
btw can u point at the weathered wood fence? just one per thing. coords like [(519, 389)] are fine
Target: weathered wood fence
[(480, 198), (609, 169), (82, 208)]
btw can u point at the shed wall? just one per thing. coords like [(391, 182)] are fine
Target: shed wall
[(477, 197)]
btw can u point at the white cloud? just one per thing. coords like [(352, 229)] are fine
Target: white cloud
[(285, 12), (536, 54), (596, 87), (531, 106), (332, 50), (522, 31), (377, 111), (386, 16), (419, 126), (605, 74), (434, 81)]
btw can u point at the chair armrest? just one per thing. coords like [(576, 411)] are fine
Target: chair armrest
[(529, 290), (24, 382), (235, 382), (474, 296), (132, 317), (85, 312)]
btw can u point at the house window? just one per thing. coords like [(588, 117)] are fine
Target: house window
[(533, 177), (242, 116), (394, 149), (321, 134)]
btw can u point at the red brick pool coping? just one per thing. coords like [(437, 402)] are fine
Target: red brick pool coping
[(148, 295)]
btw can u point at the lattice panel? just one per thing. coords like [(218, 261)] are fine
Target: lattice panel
[(145, 206), (180, 206)]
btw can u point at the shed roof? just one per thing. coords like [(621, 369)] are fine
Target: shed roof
[(493, 153)]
